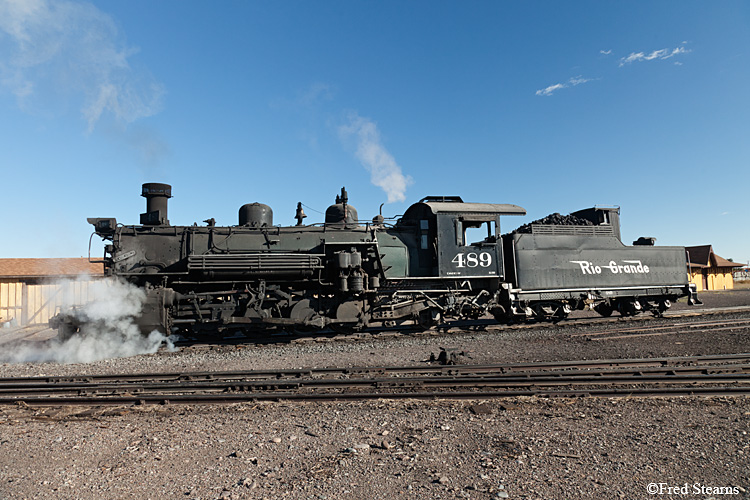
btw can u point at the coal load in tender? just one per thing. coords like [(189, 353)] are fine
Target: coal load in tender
[(555, 220)]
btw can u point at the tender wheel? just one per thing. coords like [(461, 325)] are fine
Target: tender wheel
[(604, 309), (629, 307)]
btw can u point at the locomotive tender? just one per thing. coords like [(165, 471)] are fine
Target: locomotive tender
[(345, 274)]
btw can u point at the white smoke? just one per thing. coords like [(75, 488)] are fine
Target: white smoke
[(109, 329), (53, 50), (384, 171)]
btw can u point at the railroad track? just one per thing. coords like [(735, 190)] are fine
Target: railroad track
[(609, 329), (700, 375), (38, 334), (649, 330)]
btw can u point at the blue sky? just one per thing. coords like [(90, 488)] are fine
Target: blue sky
[(554, 106)]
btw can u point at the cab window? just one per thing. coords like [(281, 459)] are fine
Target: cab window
[(475, 233)]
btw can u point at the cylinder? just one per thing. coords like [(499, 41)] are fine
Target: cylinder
[(256, 215)]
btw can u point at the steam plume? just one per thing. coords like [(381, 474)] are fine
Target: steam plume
[(110, 330), (384, 171)]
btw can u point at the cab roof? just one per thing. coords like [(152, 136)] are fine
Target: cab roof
[(474, 208), (454, 204)]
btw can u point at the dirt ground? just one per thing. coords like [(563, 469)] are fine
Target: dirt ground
[(532, 448)]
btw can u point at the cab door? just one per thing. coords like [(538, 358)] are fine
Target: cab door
[(468, 246)]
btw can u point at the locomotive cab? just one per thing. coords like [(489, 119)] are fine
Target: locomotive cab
[(458, 239)]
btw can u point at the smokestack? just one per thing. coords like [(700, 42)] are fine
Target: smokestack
[(156, 203)]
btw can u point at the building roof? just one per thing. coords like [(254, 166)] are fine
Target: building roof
[(41, 268), (704, 256)]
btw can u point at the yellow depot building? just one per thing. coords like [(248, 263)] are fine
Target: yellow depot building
[(709, 271)]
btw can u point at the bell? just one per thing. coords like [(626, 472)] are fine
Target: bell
[(300, 214)]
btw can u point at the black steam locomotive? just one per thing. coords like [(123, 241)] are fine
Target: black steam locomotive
[(443, 259)]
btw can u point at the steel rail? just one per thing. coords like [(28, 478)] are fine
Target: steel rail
[(360, 396), (428, 376), (166, 389)]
